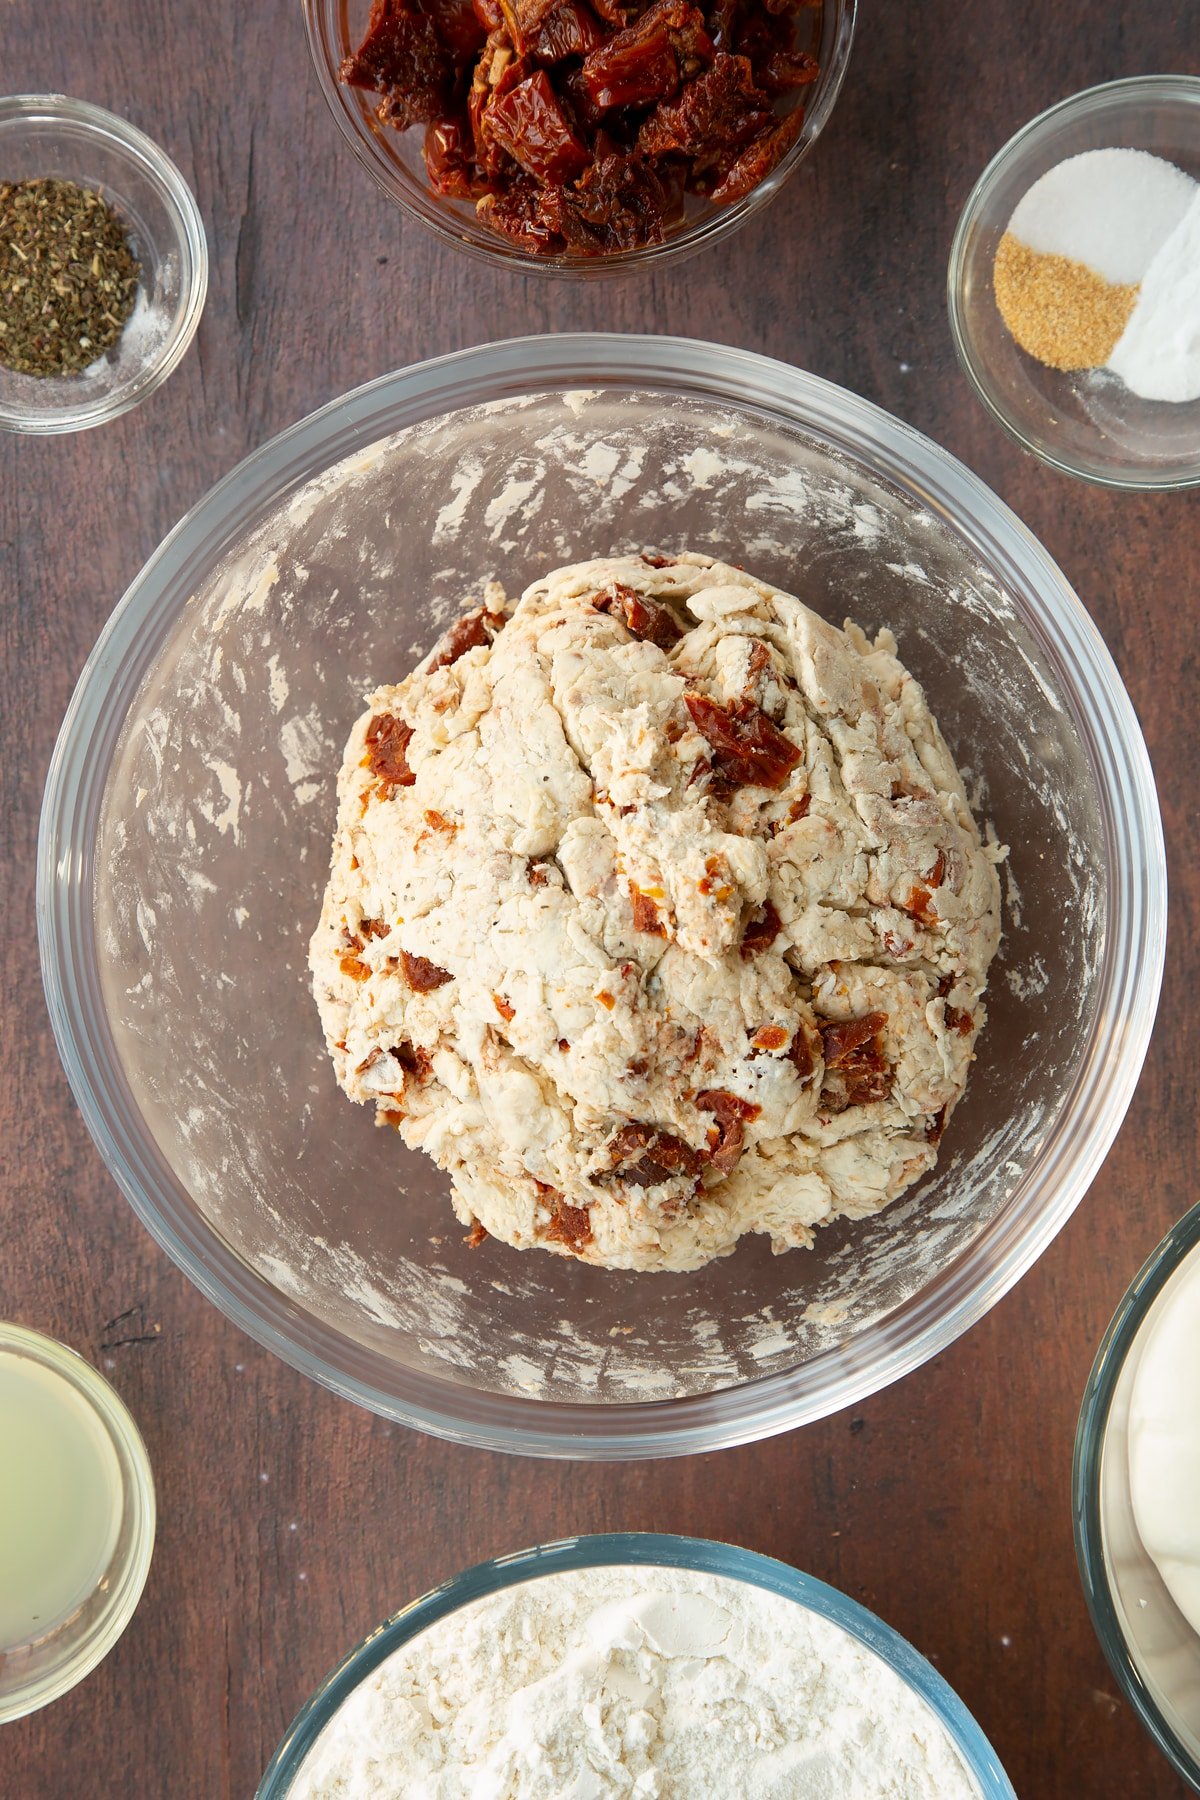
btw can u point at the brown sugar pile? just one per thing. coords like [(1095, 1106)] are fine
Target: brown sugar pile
[(1059, 310)]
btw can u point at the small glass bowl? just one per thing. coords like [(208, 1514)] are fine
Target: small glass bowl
[(47, 1669), (1085, 423), (52, 135), (653, 1550), (1151, 1648), (395, 162)]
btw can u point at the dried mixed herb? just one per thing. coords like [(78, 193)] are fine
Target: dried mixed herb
[(68, 279)]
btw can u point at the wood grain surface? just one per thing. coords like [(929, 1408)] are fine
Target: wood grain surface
[(291, 1522)]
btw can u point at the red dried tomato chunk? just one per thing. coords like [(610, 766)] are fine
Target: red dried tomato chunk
[(748, 749), (844, 1038), (856, 1069), (756, 162), (643, 1156), (388, 739), (732, 1114), (919, 905), (499, 68), (569, 1225), (620, 203), (449, 152), (516, 212), (458, 25), (645, 618), (421, 974), (570, 30), (645, 913), (529, 123), (800, 1055), (722, 17), (644, 63), (761, 932), (471, 632), (524, 19), (412, 1061), (404, 58), (719, 110), (770, 44)]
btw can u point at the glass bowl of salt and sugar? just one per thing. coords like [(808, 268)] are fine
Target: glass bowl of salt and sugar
[(1074, 284)]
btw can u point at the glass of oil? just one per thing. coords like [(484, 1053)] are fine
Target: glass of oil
[(76, 1519)]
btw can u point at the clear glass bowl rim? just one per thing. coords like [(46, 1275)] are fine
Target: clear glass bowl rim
[(1127, 983), (190, 241), (1093, 99), (653, 1550), (489, 247), (1115, 1347), (119, 1423)]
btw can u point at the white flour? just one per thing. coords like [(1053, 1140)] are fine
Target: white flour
[(656, 1684)]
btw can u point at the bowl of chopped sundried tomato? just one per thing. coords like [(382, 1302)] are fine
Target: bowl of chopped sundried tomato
[(578, 136)]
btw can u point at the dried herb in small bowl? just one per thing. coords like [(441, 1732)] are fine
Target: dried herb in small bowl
[(68, 279)]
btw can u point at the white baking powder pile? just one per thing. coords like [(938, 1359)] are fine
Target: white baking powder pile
[(1158, 353), (1134, 220), (656, 1684)]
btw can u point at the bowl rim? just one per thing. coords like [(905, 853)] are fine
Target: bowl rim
[(189, 240), (1093, 99), (647, 1549), (1090, 1438), (118, 1423), (1127, 983), (490, 247)]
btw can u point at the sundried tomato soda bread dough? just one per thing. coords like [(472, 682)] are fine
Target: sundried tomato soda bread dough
[(657, 915)]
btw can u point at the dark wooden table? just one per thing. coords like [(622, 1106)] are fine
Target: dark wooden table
[(291, 1522)]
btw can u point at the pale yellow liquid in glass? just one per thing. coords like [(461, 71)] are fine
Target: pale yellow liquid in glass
[(60, 1501)]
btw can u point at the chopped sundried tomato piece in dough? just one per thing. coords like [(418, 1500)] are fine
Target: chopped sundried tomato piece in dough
[(422, 975), (748, 749), (645, 618)]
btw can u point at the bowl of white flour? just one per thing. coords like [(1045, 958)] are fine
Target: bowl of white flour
[(640, 1665)]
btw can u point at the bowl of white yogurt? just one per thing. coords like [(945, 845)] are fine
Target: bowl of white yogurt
[(1136, 1481), (634, 1664)]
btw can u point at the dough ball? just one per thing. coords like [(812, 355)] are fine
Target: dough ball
[(657, 914)]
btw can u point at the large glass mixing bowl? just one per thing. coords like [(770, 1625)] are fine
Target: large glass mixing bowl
[(185, 840)]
